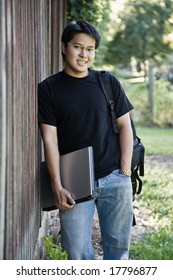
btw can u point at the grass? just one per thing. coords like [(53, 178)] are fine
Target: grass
[(157, 198), (156, 245), (157, 141)]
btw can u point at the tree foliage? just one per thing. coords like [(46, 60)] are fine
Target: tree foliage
[(95, 11), (141, 31), (90, 10)]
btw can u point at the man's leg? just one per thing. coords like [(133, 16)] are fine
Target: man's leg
[(115, 212), (76, 231)]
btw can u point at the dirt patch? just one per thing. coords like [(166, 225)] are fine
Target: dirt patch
[(160, 161)]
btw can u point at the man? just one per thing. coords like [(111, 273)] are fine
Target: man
[(73, 114)]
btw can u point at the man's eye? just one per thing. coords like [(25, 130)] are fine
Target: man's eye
[(77, 47), (90, 50)]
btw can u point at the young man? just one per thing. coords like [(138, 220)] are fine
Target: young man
[(73, 114)]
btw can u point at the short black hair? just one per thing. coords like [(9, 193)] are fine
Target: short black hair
[(80, 26)]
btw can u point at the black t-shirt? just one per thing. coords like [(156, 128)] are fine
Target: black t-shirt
[(78, 108)]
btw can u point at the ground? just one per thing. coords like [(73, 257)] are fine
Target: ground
[(144, 220)]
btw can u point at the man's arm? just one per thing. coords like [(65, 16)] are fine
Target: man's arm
[(62, 197), (126, 141)]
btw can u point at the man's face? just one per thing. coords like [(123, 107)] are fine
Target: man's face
[(79, 55)]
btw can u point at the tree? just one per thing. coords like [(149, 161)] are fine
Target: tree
[(96, 12), (141, 34), (90, 10), (141, 30)]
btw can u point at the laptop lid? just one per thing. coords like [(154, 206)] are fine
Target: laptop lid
[(77, 176)]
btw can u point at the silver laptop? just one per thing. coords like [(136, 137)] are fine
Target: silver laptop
[(77, 176)]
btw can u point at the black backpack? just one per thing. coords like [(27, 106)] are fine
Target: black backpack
[(137, 165)]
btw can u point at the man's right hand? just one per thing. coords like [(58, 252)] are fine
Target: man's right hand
[(63, 199)]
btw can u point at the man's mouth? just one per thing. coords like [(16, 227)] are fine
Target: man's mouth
[(81, 62)]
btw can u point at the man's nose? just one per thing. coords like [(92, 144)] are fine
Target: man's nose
[(83, 52)]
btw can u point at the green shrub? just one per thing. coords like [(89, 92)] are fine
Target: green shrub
[(53, 251), (162, 100), (137, 94), (163, 103)]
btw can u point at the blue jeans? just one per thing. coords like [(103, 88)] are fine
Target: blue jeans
[(113, 200)]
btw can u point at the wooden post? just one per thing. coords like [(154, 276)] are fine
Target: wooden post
[(150, 92)]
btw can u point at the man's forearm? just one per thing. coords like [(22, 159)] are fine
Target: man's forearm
[(52, 159), (126, 147)]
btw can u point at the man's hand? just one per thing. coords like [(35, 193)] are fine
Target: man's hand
[(63, 200)]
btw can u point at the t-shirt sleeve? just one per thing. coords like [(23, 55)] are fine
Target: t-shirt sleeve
[(46, 112), (121, 101)]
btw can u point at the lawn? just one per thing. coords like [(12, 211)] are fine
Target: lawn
[(156, 198), (157, 141)]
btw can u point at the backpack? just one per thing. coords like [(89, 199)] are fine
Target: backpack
[(137, 164)]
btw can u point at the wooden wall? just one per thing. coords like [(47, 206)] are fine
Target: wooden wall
[(29, 51)]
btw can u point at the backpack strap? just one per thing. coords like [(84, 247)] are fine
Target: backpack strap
[(136, 183), (142, 154), (138, 191), (103, 79)]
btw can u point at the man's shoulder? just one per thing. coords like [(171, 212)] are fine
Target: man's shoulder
[(106, 76), (52, 79), (105, 73)]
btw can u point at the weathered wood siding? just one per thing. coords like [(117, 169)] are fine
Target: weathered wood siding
[(29, 51), (2, 126)]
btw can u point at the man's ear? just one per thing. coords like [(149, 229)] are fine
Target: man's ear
[(63, 48)]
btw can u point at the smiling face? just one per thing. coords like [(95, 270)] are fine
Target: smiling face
[(79, 55)]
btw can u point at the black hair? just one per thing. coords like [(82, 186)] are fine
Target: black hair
[(80, 26)]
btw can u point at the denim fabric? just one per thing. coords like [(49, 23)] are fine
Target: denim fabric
[(113, 200)]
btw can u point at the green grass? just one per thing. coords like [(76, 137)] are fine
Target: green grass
[(156, 245), (158, 193), (157, 199), (157, 141)]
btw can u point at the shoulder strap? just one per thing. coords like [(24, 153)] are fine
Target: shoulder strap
[(105, 86)]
